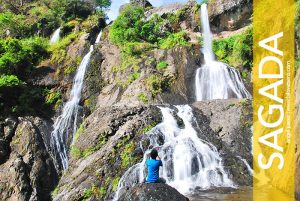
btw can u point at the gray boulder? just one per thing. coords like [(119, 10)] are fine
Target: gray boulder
[(152, 192)]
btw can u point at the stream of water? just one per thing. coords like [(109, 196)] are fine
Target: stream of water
[(66, 125), (55, 36), (98, 38), (216, 80), (188, 162)]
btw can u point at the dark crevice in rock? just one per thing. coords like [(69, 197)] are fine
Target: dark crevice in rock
[(8, 129)]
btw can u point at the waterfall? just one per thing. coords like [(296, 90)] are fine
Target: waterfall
[(216, 80), (188, 162), (98, 37), (207, 35), (55, 36), (67, 121)]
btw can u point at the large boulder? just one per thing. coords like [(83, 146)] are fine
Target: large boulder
[(29, 173), (152, 192), (229, 15)]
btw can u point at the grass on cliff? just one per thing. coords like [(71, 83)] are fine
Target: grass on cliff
[(236, 50), (97, 192)]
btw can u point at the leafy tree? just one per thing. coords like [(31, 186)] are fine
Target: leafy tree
[(13, 25), (19, 56), (103, 3), (131, 27), (127, 27), (72, 9), (17, 60)]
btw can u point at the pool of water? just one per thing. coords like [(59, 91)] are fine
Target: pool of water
[(223, 194)]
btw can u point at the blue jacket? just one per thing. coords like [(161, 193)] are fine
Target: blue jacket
[(153, 170)]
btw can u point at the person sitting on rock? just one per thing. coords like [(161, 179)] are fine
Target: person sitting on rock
[(153, 165)]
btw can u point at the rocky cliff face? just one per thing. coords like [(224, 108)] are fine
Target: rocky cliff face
[(27, 170), (229, 15)]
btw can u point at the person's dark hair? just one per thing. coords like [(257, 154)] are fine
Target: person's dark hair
[(154, 154)]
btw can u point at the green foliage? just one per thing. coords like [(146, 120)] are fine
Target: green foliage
[(236, 50), (148, 128), (71, 9), (136, 48), (142, 97), (115, 184), (79, 131), (130, 28), (55, 192), (162, 65), (10, 81), (244, 74), (127, 26), (58, 50), (43, 18), (18, 58), (75, 152), (52, 96), (16, 24), (176, 39), (157, 84), (69, 69), (94, 191), (103, 3), (126, 157), (134, 76)]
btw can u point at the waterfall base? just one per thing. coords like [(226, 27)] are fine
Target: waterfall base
[(188, 162), (216, 80)]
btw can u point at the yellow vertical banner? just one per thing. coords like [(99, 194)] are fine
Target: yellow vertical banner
[(273, 100)]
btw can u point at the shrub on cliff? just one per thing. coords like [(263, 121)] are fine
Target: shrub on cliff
[(18, 58), (236, 50), (131, 26)]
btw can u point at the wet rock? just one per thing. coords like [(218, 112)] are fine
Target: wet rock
[(230, 124), (157, 192)]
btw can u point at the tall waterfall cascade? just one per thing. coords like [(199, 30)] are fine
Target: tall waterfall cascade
[(188, 162), (98, 37), (66, 125), (216, 80), (55, 36)]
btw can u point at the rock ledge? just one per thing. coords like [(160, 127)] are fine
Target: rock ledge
[(152, 192)]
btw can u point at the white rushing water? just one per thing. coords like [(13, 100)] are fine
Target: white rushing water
[(216, 80), (188, 162), (98, 37), (67, 121), (55, 36)]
